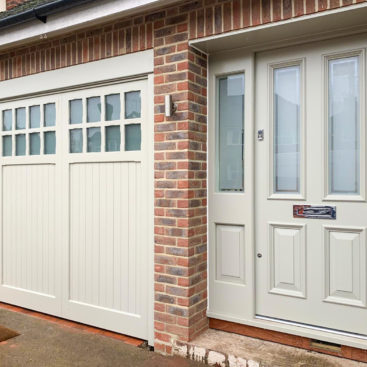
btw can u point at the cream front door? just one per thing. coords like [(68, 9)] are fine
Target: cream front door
[(311, 210)]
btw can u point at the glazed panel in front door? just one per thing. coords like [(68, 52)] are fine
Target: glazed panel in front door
[(311, 262)]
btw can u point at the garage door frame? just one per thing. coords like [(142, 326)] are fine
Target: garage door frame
[(110, 71)]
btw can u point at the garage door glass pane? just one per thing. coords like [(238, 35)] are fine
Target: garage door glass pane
[(34, 116), (50, 114), (76, 111), (20, 118), (7, 146), (76, 141), (94, 139), (50, 142), (230, 130), (113, 107), (344, 130), (132, 137), (7, 120), (113, 139), (287, 129), (132, 105), (94, 109), (20, 144), (35, 144)]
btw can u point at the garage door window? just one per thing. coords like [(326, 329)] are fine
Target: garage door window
[(109, 123), (29, 130)]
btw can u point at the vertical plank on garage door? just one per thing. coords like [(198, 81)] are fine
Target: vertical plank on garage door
[(103, 240), (28, 219)]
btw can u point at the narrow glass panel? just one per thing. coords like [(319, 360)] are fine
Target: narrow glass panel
[(20, 118), (76, 141), (76, 111), (7, 146), (113, 139), (132, 137), (94, 109), (50, 114), (94, 139), (34, 117), (50, 142), (132, 105), (113, 107), (35, 144), (230, 130), (287, 99), (344, 130), (7, 120), (20, 144)]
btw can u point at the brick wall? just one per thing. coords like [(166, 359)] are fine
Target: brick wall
[(13, 3), (180, 141)]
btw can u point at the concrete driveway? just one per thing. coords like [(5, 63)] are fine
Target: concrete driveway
[(44, 343)]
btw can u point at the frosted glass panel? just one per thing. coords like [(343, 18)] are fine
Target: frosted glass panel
[(7, 146), (76, 111), (94, 109), (94, 139), (113, 139), (344, 120), (7, 120), (50, 114), (76, 141), (35, 144), (113, 107), (132, 137), (34, 116), (20, 117), (20, 144), (50, 142), (132, 105), (287, 129), (230, 132)]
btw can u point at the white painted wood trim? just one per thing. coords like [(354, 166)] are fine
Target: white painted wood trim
[(2, 5), (106, 71)]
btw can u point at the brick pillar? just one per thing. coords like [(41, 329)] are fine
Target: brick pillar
[(180, 184)]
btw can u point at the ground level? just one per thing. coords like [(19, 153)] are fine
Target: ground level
[(44, 342), (49, 344)]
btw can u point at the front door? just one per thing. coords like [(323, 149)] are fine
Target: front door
[(311, 210)]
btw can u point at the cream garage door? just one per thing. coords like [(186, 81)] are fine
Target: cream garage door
[(311, 211), (74, 186)]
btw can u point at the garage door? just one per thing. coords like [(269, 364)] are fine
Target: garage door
[(74, 186)]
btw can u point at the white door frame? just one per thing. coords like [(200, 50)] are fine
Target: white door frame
[(248, 317), (99, 73)]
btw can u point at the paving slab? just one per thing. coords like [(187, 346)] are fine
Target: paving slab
[(44, 343)]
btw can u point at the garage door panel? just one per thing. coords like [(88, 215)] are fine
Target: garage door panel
[(74, 190), (103, 240), (29, 227)]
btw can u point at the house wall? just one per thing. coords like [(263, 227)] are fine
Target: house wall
[(180, 141)]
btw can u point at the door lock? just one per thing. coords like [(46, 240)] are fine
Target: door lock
[(259, 255), (260, 135)]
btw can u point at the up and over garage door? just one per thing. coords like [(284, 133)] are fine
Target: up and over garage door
[(74, 181)]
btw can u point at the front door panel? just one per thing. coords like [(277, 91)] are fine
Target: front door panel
[(311, 268)]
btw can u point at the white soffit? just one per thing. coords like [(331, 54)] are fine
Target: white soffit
[(323, 25), (89, 14)]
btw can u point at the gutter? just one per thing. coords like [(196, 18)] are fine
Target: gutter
[(40, 12)]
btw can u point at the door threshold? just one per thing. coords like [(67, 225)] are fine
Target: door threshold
[(312, 327)]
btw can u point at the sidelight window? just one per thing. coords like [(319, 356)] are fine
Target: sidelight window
[(230, 132)]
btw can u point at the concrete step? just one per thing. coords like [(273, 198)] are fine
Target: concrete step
[(222, 349)]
